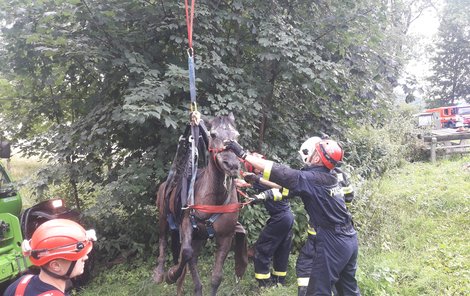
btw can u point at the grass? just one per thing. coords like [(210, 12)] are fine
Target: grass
[(21, 169), (423, 246)]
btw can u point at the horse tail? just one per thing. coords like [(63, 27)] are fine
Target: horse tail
[(160, 198), (175, 245), (241, 252)]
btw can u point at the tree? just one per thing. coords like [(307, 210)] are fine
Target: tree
[(450, 79), (101, 87)]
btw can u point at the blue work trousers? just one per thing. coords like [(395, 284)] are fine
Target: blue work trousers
[(334, 264), (274, 244)]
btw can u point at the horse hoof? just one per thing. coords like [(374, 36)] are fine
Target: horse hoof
[(158, 277), (170, 277)]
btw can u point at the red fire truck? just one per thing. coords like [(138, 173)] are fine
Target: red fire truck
[(449, 116)]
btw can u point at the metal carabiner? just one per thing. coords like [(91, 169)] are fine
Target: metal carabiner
[(190, 52)]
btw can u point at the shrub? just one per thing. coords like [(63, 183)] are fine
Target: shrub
[(372, 150)]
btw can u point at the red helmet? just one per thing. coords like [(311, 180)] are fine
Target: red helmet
[(330, 152), (58, 238)]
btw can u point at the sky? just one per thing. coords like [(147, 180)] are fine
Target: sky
[(423, 31)]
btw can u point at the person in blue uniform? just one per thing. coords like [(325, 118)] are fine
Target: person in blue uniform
[(336, 244), (303, 266), (275, 240)]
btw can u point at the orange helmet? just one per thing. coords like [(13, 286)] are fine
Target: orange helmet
[(330, 152), (58, 238)]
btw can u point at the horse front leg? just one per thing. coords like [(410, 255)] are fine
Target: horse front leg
[(223, 246), (186, 252), (197, 246)]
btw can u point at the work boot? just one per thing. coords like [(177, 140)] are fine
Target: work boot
[(265, 283), (281, 280), (302, 290)]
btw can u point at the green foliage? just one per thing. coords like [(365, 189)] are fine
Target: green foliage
[(371, 151), (253, 218), (122, 207), (451, 63)]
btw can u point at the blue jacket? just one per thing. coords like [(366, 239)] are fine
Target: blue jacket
[(320, 192)]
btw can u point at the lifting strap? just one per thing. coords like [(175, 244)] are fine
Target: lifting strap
[(192, 91), (189, 21)]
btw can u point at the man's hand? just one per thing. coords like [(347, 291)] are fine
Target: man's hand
[(251, 178), (236, 148), (264, 195), (240, 183), (273, 194)]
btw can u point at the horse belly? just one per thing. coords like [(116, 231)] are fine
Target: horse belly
[(225, 224)]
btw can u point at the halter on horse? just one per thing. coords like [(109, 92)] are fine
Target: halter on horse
[(214, 188)]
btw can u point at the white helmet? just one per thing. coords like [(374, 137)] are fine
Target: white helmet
[(307, 148)]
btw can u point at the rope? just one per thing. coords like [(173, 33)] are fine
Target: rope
[(220, 209), (189, 21)]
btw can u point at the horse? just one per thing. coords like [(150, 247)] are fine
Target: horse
[(214, 186)]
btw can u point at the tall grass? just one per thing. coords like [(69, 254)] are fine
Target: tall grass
[(21, 171), (416, 242)]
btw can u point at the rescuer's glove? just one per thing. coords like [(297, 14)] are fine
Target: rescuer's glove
[(273, 194), (345, 185), (251, 178), (236, 148)]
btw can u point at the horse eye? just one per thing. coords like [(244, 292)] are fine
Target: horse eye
[(213, 135)]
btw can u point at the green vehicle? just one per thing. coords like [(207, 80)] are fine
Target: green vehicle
[(17, 225), (12, 261)]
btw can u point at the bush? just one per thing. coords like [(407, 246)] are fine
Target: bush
[(122, 210), (372, 150), (125, 214)]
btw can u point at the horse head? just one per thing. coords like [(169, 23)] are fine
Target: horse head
[(222, 128)]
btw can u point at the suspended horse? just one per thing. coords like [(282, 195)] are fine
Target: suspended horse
[(213, 213)]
